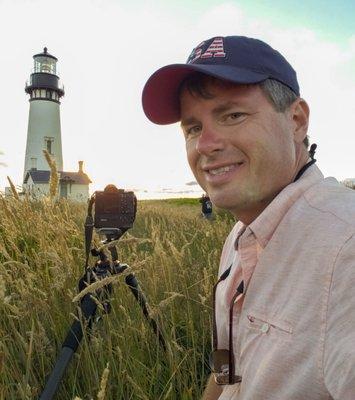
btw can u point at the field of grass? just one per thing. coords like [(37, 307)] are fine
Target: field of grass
[(173, 252)]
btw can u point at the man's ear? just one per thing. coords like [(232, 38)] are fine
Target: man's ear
[(299, 112)]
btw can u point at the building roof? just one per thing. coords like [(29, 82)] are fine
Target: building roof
[(45, 54), (75, 177), (40, 176)]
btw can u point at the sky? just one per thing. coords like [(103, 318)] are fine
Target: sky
[(106, 51)]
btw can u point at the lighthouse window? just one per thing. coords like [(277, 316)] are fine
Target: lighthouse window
[(49, 144), (45, 65), (46, 68), (33, 163)]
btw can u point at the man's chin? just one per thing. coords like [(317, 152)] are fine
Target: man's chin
[(223, 202)]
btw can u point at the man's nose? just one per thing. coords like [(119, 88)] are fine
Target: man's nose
[(209, 141)]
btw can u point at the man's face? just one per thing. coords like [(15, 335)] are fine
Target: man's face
[(241, 151)]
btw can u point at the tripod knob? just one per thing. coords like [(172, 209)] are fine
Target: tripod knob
[(118, 267)]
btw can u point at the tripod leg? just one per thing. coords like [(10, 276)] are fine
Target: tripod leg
[(57, 374), (69, 347), (132, 283)]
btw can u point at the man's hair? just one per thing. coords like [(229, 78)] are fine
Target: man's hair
[(280, 96)]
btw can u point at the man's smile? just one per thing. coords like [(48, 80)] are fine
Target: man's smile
[(221, 173)]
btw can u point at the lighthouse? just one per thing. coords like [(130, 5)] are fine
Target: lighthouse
[(43, 130), (44, 133)]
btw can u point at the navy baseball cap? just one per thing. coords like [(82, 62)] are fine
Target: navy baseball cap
[(237, 59)]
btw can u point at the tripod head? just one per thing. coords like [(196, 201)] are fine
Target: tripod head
[(104, 261)]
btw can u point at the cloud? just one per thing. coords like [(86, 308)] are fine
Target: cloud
[(164, 190), (191, 183)]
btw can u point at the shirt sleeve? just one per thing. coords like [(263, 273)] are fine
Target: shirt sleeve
[(339, 346)]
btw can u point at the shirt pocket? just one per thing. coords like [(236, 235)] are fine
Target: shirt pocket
[(272, 327)]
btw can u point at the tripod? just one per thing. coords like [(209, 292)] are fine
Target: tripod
[(88, 306)]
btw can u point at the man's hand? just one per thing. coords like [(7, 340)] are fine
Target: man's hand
[(212, 390)]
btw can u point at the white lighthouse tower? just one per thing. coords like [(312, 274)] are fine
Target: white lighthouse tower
[(44, 117)]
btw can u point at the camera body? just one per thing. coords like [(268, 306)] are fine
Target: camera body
[(115, 209)]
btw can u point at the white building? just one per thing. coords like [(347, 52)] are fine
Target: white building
[(72, 185)]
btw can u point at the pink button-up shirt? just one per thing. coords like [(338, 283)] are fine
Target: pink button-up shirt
[(294, 329)]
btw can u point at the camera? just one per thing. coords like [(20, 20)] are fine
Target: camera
[(115, 210)]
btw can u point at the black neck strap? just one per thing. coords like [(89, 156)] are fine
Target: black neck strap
[(312, 151)]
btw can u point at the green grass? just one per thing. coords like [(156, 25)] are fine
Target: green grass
[(173, 252)]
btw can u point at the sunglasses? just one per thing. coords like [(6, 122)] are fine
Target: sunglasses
[(222, 360)]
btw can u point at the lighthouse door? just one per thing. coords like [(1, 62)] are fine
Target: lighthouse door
[(63, 189)]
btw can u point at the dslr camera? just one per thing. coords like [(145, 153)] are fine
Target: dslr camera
[(115, 210)]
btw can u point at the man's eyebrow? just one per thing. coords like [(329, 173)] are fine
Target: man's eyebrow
[(225, 107), (188, 121), (217, 110)]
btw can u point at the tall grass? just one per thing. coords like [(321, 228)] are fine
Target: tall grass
[(174, 254)]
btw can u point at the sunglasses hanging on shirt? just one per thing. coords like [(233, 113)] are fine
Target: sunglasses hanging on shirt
[(222, 360)]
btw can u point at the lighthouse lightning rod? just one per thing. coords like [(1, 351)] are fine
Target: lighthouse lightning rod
[(89, 302)]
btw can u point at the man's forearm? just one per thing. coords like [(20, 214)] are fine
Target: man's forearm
[(212, 390)]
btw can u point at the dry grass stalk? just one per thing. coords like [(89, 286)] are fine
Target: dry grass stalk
[(13, 189), (2, 288), (95, 286), (54, 178), (103, 383), (2, 362), (137, 388), (105, 281)]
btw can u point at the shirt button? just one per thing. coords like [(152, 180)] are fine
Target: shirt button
[(265, 327)]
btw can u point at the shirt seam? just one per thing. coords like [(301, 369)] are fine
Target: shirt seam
[(308, 201), (326, 305)]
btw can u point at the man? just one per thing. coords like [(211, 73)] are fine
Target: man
[(284, 303), (206, 206)]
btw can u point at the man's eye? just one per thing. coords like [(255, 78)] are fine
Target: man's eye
[(192, 131), (234, 116)]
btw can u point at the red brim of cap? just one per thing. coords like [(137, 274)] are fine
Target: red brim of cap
[(161, 97)]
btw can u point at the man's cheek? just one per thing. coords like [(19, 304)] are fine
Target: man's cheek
[(192, 158)]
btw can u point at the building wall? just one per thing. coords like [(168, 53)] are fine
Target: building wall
[(74, 191), (36, 190), (78, 192)]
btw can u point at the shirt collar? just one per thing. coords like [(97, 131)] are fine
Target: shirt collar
[(266, 223)]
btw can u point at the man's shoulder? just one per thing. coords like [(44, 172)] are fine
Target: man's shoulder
[(332, 201)]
